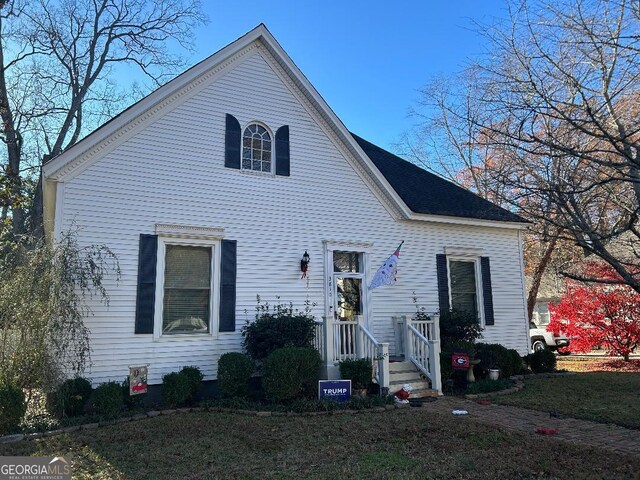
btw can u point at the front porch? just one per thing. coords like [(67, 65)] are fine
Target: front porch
[(417, 354)]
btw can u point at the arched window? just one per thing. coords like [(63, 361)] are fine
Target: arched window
[(256, 149)]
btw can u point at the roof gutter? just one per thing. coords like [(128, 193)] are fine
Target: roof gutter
[(476, 222)]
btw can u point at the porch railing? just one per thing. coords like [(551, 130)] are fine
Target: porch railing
[(421, 344), (319, 339), (351, 340)]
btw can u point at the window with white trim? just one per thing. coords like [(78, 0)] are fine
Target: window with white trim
[(186, 286), (256, 149), (464, 285)]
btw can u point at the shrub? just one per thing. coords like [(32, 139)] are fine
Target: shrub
[(542, 361), (70, 397), (12, 408), (277, 328), (194, 377), (107, 399), (517, 364), (486, 385), (494, 355), (291, 373), (358, 371), (458, 326), (234, 371), (176, 389), (131, 401)]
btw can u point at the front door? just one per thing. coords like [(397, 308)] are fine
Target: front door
[(348, 295)]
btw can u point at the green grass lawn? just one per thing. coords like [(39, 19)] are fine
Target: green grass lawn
[(407, 444), (609, 397)]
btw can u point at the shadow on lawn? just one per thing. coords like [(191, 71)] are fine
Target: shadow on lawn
[(396, 444)]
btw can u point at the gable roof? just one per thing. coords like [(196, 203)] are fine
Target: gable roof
[(389, 184), (427, 193)]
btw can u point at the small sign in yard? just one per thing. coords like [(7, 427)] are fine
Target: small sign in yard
[(336, 390), (137, 380), (460, 361)]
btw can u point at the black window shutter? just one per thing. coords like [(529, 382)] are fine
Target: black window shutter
[(232, 141), (282, 151), (443, 283), (146, 294), (228, 286), (487, 294)]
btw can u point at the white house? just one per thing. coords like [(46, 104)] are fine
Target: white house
[(210, 190)]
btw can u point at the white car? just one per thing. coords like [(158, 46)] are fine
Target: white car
[(541, 339)]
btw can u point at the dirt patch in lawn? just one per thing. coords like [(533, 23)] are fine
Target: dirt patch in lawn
[(408, 443)]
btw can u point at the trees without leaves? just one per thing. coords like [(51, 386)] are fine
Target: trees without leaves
[(560, 93), (58, 65), (554, 115)]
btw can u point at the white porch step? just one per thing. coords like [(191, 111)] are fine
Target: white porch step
[(403, 373), (401, 367), (418, 389), (404, 376)]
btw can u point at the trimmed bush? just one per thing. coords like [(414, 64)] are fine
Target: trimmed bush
[(70, 397), (131, 401), (176, 389), (291, 373), (234, 371), (494, 355), (194, 377), (358, 371), (542, 361), (517, 363), (12, 408), (458, 326), (277, 328), (487, 386), (107, 399)]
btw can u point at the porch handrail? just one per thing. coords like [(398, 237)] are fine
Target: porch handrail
[(422, 347), (369, 347), (351, 339)]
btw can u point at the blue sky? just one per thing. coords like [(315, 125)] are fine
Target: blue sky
[(368, 59)]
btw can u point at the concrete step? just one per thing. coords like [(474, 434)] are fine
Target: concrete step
[(418, 389), (422, 393), (404, 376), (401, 367), (416, 384)]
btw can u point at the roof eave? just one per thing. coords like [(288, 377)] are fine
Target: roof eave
[(478, 222)]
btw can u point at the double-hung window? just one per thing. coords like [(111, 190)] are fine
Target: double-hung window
[(464, 286), (187, 279)]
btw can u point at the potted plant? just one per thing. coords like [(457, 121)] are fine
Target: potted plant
[(493, 370)]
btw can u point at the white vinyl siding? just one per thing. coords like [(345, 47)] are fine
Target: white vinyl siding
[(173, 172)]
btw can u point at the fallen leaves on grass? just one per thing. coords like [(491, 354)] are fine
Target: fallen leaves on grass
[(616, 366)]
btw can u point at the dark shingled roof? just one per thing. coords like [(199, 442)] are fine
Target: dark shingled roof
[(425, 192)]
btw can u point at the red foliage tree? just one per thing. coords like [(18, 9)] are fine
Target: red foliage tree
[(599, 315)]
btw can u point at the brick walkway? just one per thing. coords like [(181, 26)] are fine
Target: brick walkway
[(601, 435)]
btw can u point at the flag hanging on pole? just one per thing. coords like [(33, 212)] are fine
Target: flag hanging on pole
[(386, 274)]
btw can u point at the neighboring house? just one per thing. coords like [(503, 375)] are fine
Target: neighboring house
[(210, 190), (552, 287)]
